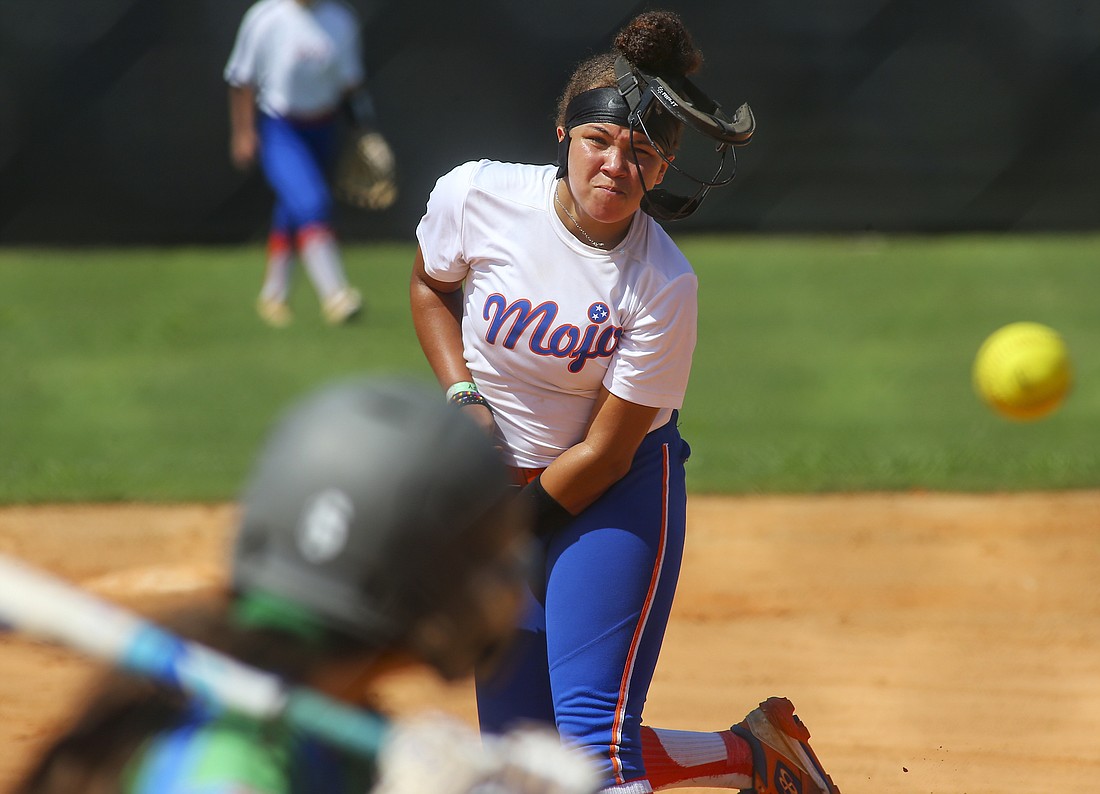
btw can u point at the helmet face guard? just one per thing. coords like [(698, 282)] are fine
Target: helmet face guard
[(654, 103), (692, 134)]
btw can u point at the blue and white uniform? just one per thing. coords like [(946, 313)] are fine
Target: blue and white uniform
[(546, 321), (301, 57)]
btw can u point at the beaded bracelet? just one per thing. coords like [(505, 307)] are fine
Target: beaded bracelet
[(469, 398)]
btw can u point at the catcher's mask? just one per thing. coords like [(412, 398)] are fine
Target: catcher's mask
[(692, 134), (385, 514)]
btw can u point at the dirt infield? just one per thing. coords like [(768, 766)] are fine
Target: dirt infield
[(932, 643)]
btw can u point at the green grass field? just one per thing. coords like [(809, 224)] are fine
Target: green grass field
[(824, 364)]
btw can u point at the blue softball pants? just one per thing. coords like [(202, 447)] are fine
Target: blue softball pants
[(295, 158), (587, 647)]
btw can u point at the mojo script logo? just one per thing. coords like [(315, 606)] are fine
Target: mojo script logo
[(565, 340)]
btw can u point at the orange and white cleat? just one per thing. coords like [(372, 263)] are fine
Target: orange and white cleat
[(782, 760)]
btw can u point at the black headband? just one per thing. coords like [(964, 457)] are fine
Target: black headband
[(596, 105), (610, 106)]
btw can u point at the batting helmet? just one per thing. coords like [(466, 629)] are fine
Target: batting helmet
[(389, 517)]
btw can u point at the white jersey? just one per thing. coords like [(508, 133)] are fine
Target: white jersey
[(300, 57), (547, 320)]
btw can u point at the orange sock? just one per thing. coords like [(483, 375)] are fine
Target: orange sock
[(280, 255), (696, 759), (279, 244)]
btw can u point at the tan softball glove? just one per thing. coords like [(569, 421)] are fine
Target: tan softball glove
[(366, 172)]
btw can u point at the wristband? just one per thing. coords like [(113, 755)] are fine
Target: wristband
[(462, 385), (548, 515)]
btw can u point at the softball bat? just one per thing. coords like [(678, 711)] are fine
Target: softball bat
[(42, 605)]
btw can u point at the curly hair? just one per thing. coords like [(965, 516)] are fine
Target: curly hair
[(655, 41)]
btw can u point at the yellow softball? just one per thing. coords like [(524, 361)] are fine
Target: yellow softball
[(1023, 371)]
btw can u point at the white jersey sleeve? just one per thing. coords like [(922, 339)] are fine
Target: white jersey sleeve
[(241, 68), (440, 231), (653, 360), (341, 23), (351, 53)]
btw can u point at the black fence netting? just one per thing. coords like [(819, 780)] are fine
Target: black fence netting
[(880, 115)]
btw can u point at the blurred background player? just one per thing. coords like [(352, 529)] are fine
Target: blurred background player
[(555, 309), (378, 528), (295, 63)]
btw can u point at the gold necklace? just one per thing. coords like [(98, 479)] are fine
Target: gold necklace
[(569, 215)]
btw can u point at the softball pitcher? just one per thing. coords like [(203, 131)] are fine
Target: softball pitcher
[(294, 64), (554, 308)]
